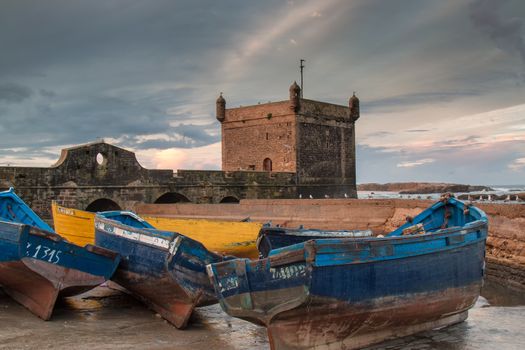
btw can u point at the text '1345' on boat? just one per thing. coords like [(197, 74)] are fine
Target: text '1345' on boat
[(37, 265), (166, 270), (347, 293)]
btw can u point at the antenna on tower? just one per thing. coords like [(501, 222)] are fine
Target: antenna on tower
[(301, 65)]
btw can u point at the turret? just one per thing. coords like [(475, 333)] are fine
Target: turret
[(353, 103), (220, 106), (295, 96)]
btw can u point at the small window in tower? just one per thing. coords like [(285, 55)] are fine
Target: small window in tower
[(267, 137), (267, 164)]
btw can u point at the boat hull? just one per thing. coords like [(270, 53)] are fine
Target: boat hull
[(334, 324), (77, 226), (165, 270), (351, 293), (223, 237), (36, 267), (37, 284)]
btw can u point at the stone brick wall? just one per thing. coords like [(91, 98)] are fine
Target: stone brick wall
[(254, 133), (316, 141), (117, 180), (77, 179), (326, 146)]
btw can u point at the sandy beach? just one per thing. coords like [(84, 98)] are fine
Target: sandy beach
[(109, 319)]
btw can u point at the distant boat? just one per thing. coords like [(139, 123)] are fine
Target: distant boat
[(165, 270), (37, 265), (353, 292), (222, 237), (271, 238)]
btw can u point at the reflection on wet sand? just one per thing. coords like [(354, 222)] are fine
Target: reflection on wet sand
[(106, 318)]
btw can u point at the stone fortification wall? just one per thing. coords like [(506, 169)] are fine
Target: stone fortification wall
[(85, 174), (100, 176), (326, 147), (505, 245), (255, 133), (213, 186)]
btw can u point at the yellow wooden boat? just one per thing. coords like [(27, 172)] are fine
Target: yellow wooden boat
[(77, 226), (223, 237)]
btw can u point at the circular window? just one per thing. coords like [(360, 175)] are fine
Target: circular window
[(101, 160)]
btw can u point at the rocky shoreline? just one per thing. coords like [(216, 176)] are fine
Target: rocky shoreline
[(421, 187), (514, 197)]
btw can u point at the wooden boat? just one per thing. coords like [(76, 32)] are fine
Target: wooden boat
[(278, 237), (354, 292), (37, 265), (77, 226), (165, 270), (222, 237)]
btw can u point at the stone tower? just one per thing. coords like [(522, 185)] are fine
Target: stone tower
[(315, 140), (220, 107)]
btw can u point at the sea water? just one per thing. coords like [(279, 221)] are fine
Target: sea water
[(499, 190)]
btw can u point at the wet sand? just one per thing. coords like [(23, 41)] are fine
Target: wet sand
[(109, 319)]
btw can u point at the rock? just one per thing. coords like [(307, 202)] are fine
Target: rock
[(420, 187)]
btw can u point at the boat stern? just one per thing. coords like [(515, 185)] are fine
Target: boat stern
[(260, 290)]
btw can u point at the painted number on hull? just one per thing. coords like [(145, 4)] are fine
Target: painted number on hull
[(288, 272), (42, 252)]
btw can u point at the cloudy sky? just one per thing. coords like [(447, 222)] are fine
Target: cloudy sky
[(441, 83)]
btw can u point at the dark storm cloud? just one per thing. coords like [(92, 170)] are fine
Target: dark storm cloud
[(26, 154), (78, 121), (507, 33), (47, 93), (114, 33), (114, 69), (13, 93), (147, 73)]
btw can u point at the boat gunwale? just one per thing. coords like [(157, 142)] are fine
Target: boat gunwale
[(310, 248), (10, 194), (25, 231), (113, 213), (146, 231)]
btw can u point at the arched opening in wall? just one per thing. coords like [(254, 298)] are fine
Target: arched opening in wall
[(102, 204), (229, 199), (267, 164), (172, 197)]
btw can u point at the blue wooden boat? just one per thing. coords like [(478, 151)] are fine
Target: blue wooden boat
[(354, 292), (37, 265), (271, 238), (127, 218), (166, 270)]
